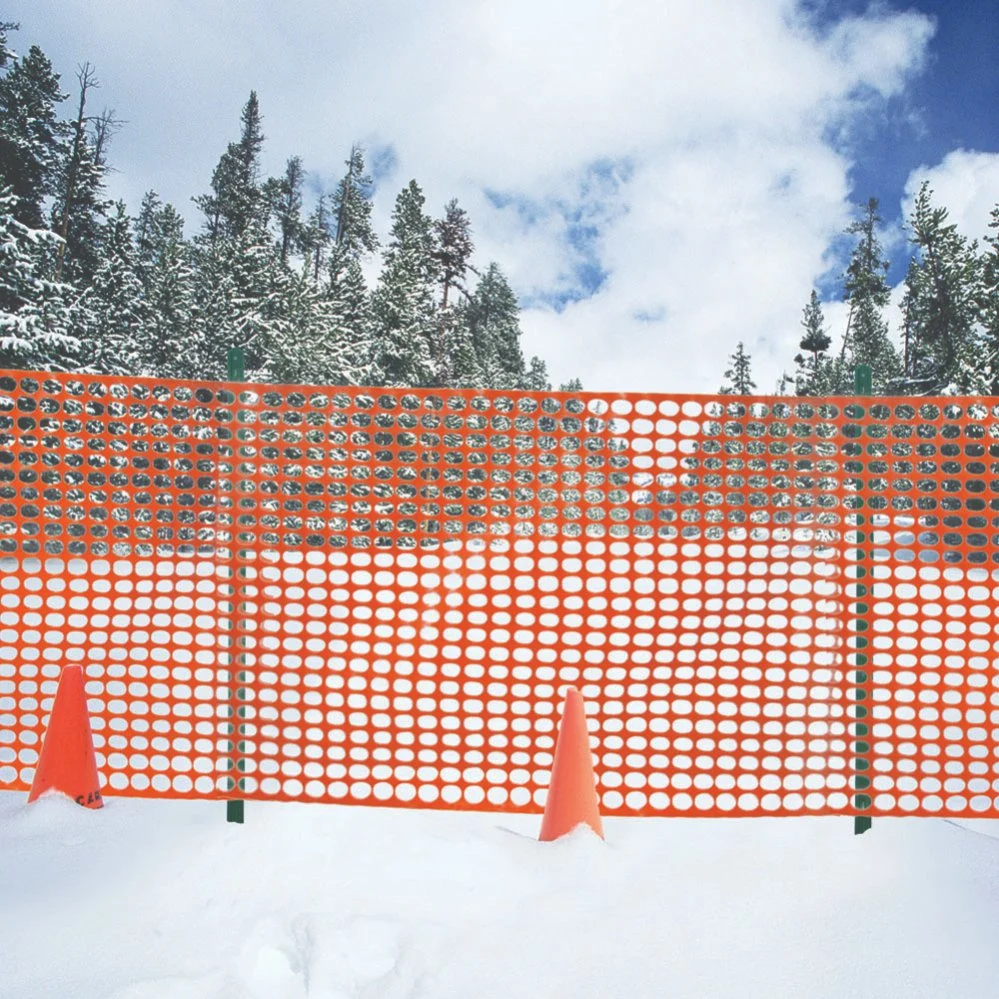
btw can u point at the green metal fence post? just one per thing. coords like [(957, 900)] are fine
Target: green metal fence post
[(234, 809), (863, 385)]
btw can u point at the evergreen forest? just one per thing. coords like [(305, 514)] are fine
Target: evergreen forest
[(86, 286), (949, 321), (279, 271)]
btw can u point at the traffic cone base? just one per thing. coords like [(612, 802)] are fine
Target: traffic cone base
[(572, 797), (67, 763)]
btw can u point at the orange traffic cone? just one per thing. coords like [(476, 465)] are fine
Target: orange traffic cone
[(572, 797), (67, 761)]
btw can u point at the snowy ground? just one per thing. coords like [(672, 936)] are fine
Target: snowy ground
[(164, 900)]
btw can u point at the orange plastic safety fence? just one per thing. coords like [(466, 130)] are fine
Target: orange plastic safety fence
[(377, 595)]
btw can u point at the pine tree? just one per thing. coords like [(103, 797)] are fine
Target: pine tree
[(493, 319), (348, 306), (453, 251), (116, 304), (739, 375), (236, 200), (536, 379), (39, 317), (281, 327), (461, 367), (317, 236), (942, 296), (346, 339), (284, 197), (865, 287), (811, 375), (352, 239), (403, 302), (348, 344), (351, 208), (165, 270), (917, 377), (259, 286), (319, 339), (80, 209), (32, 139), (146, 233), (816, 340), (988, 301), (237, 293), (214, 313)]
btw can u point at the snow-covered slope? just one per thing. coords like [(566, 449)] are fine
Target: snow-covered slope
[(164, 900)]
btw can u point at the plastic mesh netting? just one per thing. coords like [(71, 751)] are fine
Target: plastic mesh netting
[(374, 595)]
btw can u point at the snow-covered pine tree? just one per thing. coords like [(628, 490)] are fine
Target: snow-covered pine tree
[(235, 199), (146, 234), (403, 304), (214, 227), (942, 305), (163, 265), (351, 207), (536, 378), (317, 339), (812, 376), (280, 327), (237, 291), (214, 313), (453, 251), (346, 339), (32, 138), (284, 199), (242, 206), (865, 288), (317, 237), (261, 289), (348, 342), (80, 209), (988, 301), (493, 318), (39, 317), (461, 365), (917, 374), (116, 306), (739, 376)]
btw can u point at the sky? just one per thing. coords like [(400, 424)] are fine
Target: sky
[(658, 181)]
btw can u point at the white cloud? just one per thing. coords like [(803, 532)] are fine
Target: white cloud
[(715, 115), (966, 183)]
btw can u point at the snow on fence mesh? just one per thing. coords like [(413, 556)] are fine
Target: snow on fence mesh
[(378, 595)]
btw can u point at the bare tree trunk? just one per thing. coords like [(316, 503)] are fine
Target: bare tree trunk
[(86, 77), (321, 224), (846, 334)]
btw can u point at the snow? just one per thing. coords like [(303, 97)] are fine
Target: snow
[(149, 899)]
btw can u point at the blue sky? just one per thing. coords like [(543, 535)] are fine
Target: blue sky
[(657, 180), (949, 105)]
